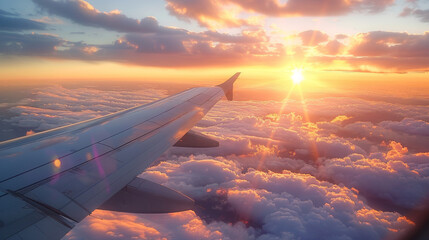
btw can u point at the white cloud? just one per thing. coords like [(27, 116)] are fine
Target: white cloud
[(409, 126), (58, 106)]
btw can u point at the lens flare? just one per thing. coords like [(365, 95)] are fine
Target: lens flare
[(297, 76), (57, 163)]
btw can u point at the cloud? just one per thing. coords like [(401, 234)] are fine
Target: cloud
[(226, 12), (207, 13), (148, 43), (145, 42), (183, 225), (189, 50), (84, 13), (409, 126), (58, 106), (278, 204), (333, 47), (423, 15), (370, 174), (29, 44), (392, 44), (313, 37), (353, 171), (391, 50), (6, 13), (10, 22), (375, 51)]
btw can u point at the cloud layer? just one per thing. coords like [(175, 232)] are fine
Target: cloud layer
[(352, 171)]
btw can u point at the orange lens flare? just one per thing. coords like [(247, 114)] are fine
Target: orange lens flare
[(57, 163)]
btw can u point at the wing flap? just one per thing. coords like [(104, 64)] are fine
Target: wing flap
[(144, 196), (194, 139)]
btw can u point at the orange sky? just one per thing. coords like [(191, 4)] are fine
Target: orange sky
[(340, 45)]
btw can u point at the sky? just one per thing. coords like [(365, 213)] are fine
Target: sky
[(344, 154), (139, 39)]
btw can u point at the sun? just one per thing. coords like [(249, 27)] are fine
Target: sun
[(297, 76)]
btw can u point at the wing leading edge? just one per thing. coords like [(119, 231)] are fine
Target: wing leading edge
[(51, 181)]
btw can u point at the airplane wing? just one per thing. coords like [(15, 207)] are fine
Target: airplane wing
[(52, 180)]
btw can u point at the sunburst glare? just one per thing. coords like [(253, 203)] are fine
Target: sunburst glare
[(297, 76)]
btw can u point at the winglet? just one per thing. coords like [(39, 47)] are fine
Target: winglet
[(228, 85)]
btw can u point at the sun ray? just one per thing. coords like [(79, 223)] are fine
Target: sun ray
[(273, 132), (314, 150)]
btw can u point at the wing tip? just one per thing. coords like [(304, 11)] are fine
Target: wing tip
[(228, 86)]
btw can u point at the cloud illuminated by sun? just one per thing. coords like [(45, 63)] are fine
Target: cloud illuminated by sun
[(297, 76)]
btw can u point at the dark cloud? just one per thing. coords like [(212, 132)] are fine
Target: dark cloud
[(29, 44), (10, 22), (423, 15), (6, 13), (155, 44)]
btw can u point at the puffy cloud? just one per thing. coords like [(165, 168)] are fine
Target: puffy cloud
[(183, 225), (406, 186), (10, 22), (408, 125), (278, 204)]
